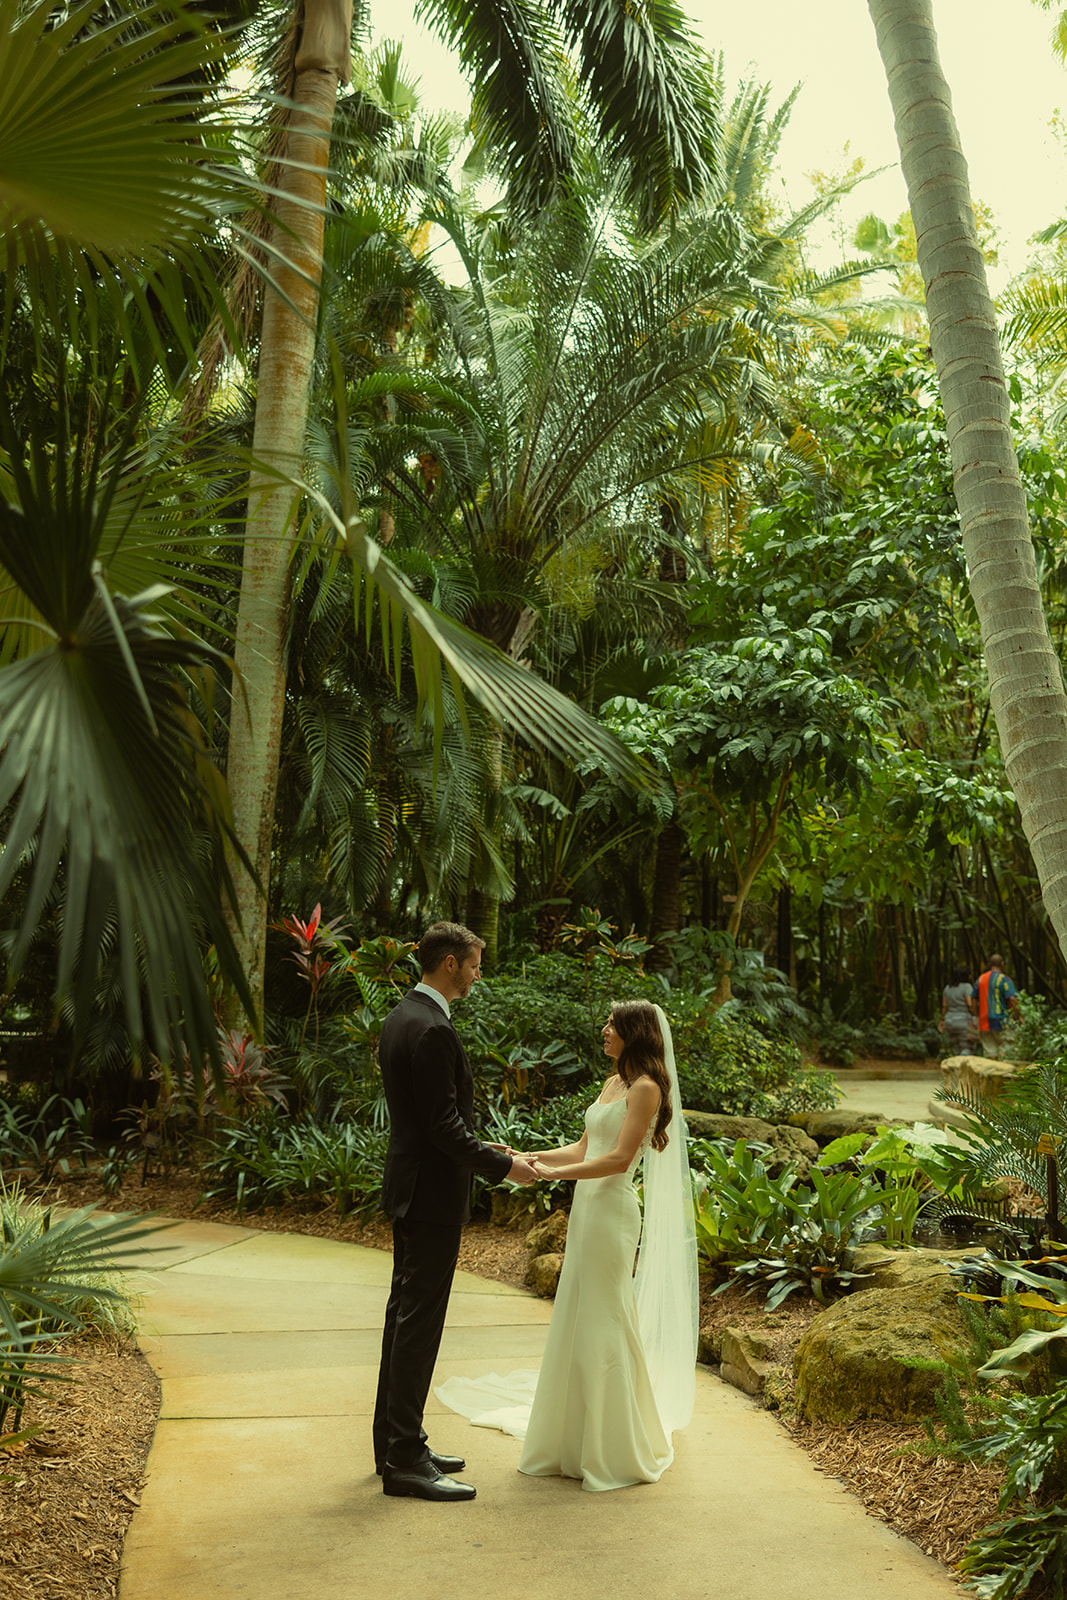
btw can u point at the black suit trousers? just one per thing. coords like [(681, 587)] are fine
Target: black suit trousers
[(424, 1263)]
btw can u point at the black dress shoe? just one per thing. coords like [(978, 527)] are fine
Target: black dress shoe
[(442, 1463), (424, 1482)]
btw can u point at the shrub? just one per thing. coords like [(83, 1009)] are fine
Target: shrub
[(47, 1138), (526, 1127), (553, 998), (842, 1037), (55, 1277), (271, 1159), (727, 1064), (1042, 1033), (1030, 1541)]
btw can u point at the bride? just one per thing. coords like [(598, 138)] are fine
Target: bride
[(618, 1372)]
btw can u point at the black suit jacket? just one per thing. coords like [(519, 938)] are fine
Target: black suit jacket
[(430, 1092)]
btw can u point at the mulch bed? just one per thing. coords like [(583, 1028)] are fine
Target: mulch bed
[(937, 1503), (67, 1495), (48, 1552)]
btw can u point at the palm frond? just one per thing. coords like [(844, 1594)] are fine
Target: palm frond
[(522, 109), (110, 177), (104, 774), (515, 698), (1037, 317)]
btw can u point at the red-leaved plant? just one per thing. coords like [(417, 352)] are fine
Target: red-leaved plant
[(318, 944), (246, 1082)]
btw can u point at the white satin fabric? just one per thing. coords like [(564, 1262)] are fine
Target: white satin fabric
[(618, 1372)]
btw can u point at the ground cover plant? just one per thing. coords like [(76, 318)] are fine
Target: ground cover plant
[(58, 1275), (1004, 1404), (778, 1233)]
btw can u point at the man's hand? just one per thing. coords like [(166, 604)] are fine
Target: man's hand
[(521, 1171)]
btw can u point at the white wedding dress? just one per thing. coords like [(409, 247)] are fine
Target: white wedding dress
[(594, 1415)]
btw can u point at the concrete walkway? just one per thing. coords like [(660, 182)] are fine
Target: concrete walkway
[(910, 1097), (261, 1482)]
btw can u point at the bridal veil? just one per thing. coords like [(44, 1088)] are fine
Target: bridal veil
[(666, 1284)]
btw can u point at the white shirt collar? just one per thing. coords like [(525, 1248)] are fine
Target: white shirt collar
[(435, 994)]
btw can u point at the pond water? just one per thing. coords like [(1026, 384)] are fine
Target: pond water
[(969, 1233)]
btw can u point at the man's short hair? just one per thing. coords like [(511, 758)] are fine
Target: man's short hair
[(444, 939), (996, 961)]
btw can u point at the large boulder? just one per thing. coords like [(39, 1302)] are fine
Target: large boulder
[(905, 1269), (858, 1358), (712, 1125), (978, 1076), (826, 1126), (794, 1148)]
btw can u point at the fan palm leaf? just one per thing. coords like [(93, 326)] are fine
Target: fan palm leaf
[(106, 785), (48, 1271), (111, 175)]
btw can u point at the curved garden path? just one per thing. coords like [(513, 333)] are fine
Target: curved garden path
[(261, 1481)]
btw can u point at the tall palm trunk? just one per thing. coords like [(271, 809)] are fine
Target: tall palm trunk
[(1025, 683), (483, 906), (666, 892), (287, 347)]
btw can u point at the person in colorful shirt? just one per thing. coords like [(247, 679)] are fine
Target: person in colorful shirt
[(993, 1000)]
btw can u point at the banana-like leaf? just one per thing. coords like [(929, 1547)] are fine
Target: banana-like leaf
[(1019, 1357)]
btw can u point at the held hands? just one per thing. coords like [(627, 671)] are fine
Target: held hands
[(524, 1169)]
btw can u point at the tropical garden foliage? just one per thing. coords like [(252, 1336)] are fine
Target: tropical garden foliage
[(504, 522)]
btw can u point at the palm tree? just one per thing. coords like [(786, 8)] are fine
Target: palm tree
[(108, 790), (585, 375), (648, 89), (1025, 679)]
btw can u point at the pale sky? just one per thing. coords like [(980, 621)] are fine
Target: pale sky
[(1006, 86)]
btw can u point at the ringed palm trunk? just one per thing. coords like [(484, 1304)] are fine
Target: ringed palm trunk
[(508, 629), (1025, 683), (483, 907), (287, 347)]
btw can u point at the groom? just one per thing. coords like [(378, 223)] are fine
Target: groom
[(426, 1190)]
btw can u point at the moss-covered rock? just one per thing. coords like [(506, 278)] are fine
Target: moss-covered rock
[(826, 1126), (871, 1354), (542, 1275), (904, 1269), (709, 1344), (776, 1392), (549, 1235), (712, 1125)]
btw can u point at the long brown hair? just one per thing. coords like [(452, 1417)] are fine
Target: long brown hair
[(637, 1025)]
